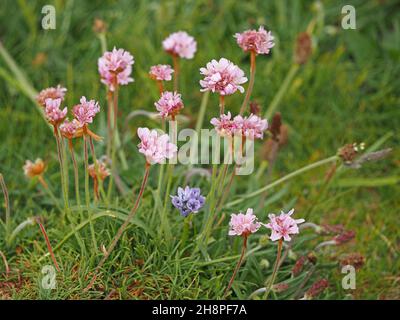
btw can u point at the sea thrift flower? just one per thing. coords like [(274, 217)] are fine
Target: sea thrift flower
[(243, 224), (224, 125), (156, 148), (102, 171), (53, 112), (169, 104), (115, 68), (180, 44), (85, 111), (51, 93), (251, 127), (283, 226), (259, 41), (161, 72), (222, 77), (188, 200), (33, 169), (70, 129)]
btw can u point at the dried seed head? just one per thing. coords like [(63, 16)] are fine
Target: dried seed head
[(298, 266), (312, 258), (280, 287), (357, 260), (344, 237), (316, 289), (348, 152), (276, 124), (303, 48)]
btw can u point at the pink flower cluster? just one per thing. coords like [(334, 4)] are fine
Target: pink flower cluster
[(169, 104), (283, 226), (222, 77), (51, 93), (156, 148), (180, 44), (259, 41), (161, 72), (69, 128), (115, 68), (53, 112), (243, 224), (251, 127), (85, 111)]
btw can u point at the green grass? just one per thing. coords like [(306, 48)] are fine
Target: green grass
[(347, 92)]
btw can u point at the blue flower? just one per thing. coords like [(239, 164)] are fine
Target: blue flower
[(188, 200)]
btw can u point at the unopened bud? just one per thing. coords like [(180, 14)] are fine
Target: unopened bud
[(303, 48)]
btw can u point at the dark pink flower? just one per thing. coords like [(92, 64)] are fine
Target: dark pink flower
[(85, 111), (222, 77), (53, 112), (283, 226), (259, 41)]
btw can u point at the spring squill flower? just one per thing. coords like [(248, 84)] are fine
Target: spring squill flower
[(51, 93), (156, 148), (222, 77), (251, 127), (161, 72), (180, 44), (188, 200), (259, 41), (53, 113), (283, 226), (115, 68), (241, 225), (169, 104)]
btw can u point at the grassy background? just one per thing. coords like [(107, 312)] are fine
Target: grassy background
[(347, 92)]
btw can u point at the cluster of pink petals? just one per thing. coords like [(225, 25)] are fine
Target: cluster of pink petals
[(259, 41), (222, 77), (102, 171), (51, 93), (180, 44), (115, 67), (85, 111), (53, 112), (283, 226), (156, 148), (251, 127), (69, 128), (169, 104), (161, 72), (243, 224), (225, 125)]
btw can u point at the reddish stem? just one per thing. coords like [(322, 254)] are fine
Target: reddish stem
[(175, 60), (221, 104), (251, 82), (46, 238)]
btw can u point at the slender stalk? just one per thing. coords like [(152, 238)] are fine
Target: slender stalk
[(76, 175), (114, 142), (160, 86), (109, 126), (175, 60), (237, 266), (5, 263), (60, 159), (122, 228), (251, 82), (282, 90), (186, 229), (7, 205), (221, 104), (203, 106), (283, 179), (46, 238), (275, 271)]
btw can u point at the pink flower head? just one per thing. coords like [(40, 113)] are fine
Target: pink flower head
[(52, 93), (243, 224), (259, 41), (85, 111), (155, 147), (53, 112), (161, 72), (180, 44), (223, 77), (169, 104), (252, 127), (69, 129), (224, 125), (283, 226), (115, 68)]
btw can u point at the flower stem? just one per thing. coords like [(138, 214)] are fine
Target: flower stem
[(76, 176), (122, 228), (46, 238), (62, 172), (251, 83), (186, 228), (237, 266), (221, 104), (175, 60), (114, 142), (203, 106), (7, 205), (275, 271)]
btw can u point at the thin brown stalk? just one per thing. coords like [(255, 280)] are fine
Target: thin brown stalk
[(6, 204), (175, 60), (251, 83), (46, 238), (5, 263)]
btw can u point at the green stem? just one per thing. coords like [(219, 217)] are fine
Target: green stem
[(7, 205), (202, 111), (76, 176), (251, 83), (62, 171), (282, 90), (283, 179), (275, 271)]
